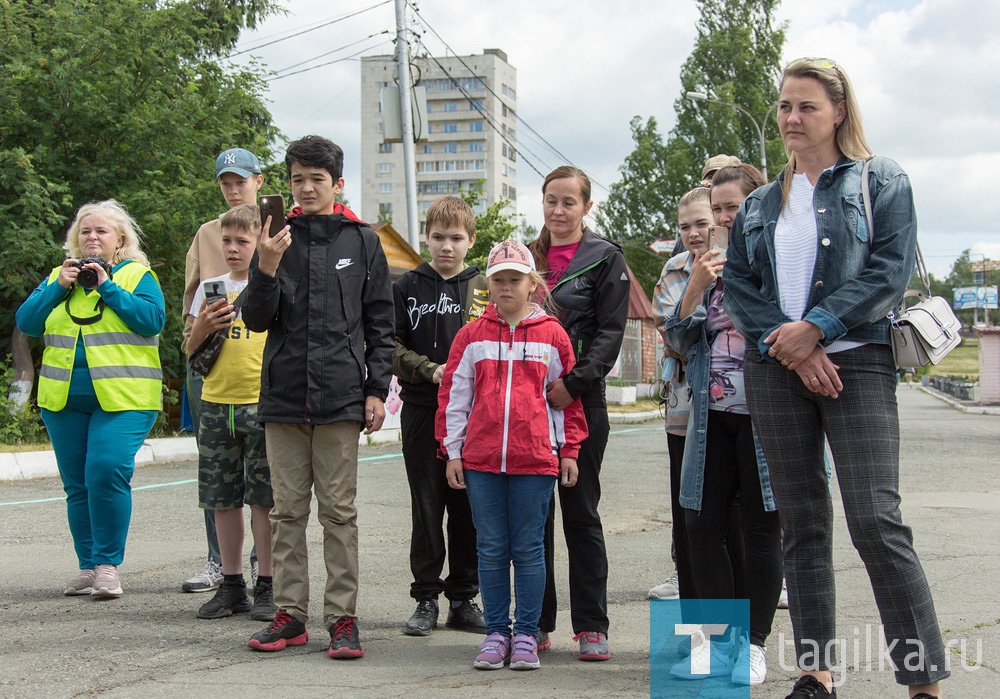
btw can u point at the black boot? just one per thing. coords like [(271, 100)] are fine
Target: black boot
[(424, 619), (229, 599), (467, 616)]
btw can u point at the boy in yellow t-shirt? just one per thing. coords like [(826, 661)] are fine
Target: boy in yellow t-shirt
[(232, 461)]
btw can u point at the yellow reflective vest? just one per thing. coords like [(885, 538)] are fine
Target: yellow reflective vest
[(124, 365)]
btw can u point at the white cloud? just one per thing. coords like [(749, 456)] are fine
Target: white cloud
[(927, 75)]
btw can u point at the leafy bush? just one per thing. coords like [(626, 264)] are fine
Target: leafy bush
[(18, 424)]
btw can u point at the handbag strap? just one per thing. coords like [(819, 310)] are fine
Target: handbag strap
[(866, 195)]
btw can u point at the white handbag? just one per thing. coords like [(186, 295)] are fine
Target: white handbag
[(928, 330)]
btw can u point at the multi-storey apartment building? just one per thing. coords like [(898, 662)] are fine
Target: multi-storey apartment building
[(469, 137)]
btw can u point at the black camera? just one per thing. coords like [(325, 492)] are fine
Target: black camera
[(87, 278)]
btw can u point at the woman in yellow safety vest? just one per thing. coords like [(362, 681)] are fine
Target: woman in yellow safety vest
[(99, 387)]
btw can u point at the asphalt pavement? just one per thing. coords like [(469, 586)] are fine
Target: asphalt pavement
[(149, 643)]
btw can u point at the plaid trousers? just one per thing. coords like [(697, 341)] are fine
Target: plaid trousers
[(862, 426)]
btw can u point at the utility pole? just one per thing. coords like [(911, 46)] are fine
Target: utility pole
[(406, 116)]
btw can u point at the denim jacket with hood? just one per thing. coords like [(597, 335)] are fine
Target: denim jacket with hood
[(688, 337), (858, 278)]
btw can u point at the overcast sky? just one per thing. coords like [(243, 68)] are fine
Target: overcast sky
[(927, 75)]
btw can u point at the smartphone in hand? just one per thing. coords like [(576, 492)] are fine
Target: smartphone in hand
[(718, 238), (272, 205), (214, 291)]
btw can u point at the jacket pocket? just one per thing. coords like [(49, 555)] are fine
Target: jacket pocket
[(854, 214), (753, 231)]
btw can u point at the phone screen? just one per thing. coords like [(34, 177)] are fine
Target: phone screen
[(272, 205), (214, 291)]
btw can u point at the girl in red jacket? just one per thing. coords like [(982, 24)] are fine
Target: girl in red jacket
[(506, 446)]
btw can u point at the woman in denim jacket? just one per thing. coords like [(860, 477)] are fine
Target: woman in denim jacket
[(809, 286), (721, 454)]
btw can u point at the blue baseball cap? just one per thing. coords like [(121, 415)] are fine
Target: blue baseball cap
[(237, 160)]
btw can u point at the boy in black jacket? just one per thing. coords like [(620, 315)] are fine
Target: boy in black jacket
[(432, 303), (321, 290)]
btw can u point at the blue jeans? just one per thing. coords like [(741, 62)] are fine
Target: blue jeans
[(509, 513), (95, 451)]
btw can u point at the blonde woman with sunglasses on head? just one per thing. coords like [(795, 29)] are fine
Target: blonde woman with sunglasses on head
[(809, 285)]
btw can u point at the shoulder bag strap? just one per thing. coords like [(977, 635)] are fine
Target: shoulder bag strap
[(866, 195)]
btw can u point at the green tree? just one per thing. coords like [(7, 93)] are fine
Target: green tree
[(494, 224), (124, 99), (736, 58)]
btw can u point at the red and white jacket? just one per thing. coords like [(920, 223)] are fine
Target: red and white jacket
[(492, 411)]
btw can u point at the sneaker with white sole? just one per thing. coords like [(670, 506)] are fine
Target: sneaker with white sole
[(670, 589), (524, 653), (207, 580), (82, 584), (715, 657), (106, 582), (751, 666), (494, 652)]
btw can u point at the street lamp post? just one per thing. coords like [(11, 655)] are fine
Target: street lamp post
[(701, 96)]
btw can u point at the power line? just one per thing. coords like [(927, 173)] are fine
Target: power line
[(482, 113), (320, 65), (311, 29), (327, 53), (555, 150)]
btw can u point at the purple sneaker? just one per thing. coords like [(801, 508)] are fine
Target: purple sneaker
[(524, 653), (494, 652)]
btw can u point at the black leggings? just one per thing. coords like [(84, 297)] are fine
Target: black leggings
[(731, 469)]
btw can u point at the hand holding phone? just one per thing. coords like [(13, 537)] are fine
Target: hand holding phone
[(272, 205), (718, 238), (214, 291)]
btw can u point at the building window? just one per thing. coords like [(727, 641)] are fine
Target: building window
[(475, 126), (450, 107), (427, 148), (512, 193), (385, 148), (508, 92), (504, 189), (475, 147), (384, 168), (441, 187), (385, 207), (512, 173), (385, 187), (504, 109), (476, 104), (450, 127), (512, 154), (430, 107), (449, 147), (430, 128)]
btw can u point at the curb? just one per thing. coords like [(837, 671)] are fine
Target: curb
[(631, 418), (958, 405)]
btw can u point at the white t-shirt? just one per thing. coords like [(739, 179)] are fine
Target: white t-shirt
[(795, 241), (235, 377)]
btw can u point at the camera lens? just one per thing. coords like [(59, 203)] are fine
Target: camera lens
[(87, 278)]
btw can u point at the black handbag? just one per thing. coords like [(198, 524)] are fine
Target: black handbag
[(203, 359)]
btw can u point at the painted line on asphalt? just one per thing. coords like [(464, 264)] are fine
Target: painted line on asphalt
[(636, 429), (382, 457)]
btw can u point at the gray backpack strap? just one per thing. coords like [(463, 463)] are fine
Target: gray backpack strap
[(866, 195)]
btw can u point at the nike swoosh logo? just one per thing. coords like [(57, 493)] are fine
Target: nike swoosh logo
[(344, 263)]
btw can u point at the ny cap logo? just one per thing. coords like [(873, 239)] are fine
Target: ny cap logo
[(230, 158)]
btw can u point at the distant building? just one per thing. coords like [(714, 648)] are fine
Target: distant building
[(461, 148)]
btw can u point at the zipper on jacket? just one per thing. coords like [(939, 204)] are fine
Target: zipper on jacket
[(506, 402), (577, 274)]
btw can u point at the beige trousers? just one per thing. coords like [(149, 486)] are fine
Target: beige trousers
[(323, 458)]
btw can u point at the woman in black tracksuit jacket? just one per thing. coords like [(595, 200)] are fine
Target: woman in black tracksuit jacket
[(589, 282)]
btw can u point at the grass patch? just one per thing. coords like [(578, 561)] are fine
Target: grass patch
[(640, 406), (18, 448), (961, 363)]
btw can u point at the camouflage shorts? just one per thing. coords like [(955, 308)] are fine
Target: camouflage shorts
[(232, 459)]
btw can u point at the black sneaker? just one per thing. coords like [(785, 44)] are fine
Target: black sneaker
[(263, 608), (424, 619), (228, 600), (808, 687), (344, 641), (284, 631), (467, 616)]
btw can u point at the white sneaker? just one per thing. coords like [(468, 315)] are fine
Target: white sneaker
[(668, 590), (783, 599), (106, 582), (751, 666), (715, 657), (207, 580)]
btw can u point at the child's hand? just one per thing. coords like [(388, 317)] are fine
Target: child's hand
[(559, 398), (374, 414), (438, 374), (270, 250), (455, 473), (568, 472)]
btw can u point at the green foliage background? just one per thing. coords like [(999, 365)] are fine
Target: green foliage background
[(127, 100)]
